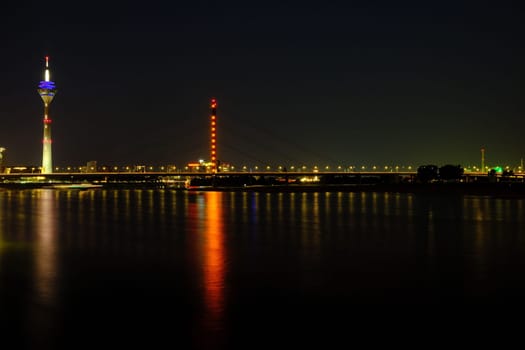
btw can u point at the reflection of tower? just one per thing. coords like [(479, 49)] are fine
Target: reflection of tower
[(46, 90), (46, 247), (482, 159), (214, 268), (213, 136)]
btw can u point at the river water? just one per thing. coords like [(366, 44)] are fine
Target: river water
[(115, 268)]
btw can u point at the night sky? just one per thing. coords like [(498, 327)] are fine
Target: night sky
[(326, 83)]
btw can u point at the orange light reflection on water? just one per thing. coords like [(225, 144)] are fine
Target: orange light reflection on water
[(210, 256), (214, 256)]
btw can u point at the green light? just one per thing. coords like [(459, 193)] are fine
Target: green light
[(498, 169)]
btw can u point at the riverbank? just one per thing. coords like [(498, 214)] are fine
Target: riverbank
[(482, 189), (500, 189)]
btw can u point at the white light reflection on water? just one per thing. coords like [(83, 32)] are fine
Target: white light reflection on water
[(46, 241)]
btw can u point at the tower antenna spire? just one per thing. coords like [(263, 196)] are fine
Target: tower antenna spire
[(46, 73)]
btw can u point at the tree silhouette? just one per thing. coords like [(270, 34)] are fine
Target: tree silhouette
[(427, 173), (450, 172)]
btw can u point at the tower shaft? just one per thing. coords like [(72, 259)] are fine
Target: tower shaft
[(47, 154)]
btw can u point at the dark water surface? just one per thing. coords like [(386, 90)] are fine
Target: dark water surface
[(174, 269)]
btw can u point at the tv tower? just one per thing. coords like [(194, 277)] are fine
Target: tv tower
[(47, 91), (213, 136)]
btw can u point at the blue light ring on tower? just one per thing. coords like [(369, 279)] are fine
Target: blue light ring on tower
[(49, 85)]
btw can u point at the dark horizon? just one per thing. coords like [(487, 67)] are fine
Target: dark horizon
[(296, 82)]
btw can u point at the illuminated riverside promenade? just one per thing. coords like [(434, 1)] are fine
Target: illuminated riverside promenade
[(186, 173), (244, 169)]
